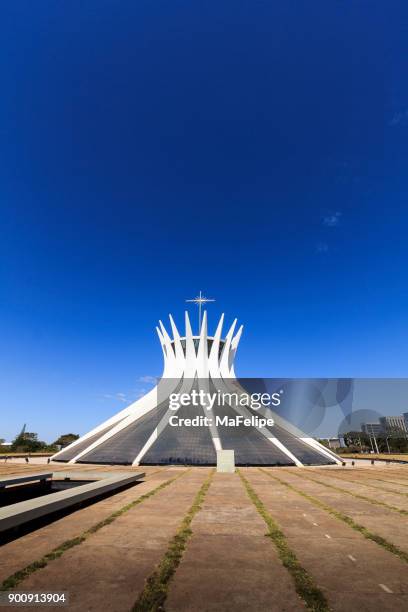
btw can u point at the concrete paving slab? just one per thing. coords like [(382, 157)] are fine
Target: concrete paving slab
[(229, 564), (384, 602), (250, 591)]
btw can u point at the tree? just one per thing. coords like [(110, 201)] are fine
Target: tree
[(27, 442), (66, 439), (356, 441)]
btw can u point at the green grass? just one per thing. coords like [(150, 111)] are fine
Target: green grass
[(154, 594), (395, 550), (305, 587), (375, 502), (15, 579)]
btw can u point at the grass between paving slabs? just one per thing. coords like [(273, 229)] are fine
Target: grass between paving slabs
[(304, 583), (372, 486), (402, 554), (154, 593), (14, 580), (394, 482), (376, 502)]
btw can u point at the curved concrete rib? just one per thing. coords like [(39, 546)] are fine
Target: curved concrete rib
[(224, 361), (202, 352), (180, 358), (233, 351), (214, 360), (190, 363)]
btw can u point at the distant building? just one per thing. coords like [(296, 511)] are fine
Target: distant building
[(394, 425), (405, 415), (372, 429), (336, 443)]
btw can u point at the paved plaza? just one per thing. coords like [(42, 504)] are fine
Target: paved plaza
[(260, 539)]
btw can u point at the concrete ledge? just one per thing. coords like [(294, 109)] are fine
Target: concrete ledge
[(5, 482), (22, 512), (77, 475)]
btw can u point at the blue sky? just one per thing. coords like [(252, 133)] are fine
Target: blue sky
[(256, 151)]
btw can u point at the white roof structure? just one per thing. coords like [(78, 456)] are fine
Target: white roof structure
[(144, 433)]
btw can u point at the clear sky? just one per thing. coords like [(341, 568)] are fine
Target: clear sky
[(254, 150)]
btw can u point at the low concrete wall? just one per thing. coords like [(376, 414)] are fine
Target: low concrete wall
[(5, 482), (22, 512)]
